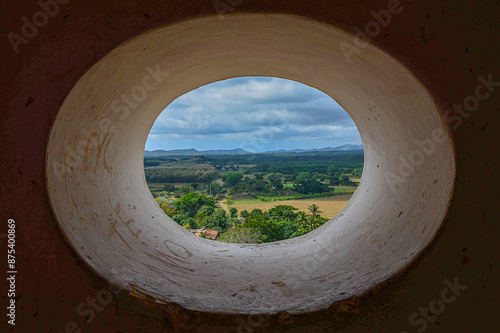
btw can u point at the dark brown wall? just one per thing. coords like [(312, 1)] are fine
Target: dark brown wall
[(446, 44)]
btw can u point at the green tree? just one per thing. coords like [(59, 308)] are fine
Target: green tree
[(309, 224), (183, 219), (217, 221), (289, 228), (233, 212), (302, 177), (314, 209), (311, 186), (240, 234), (259, 176), (190, 203), (167, 205), (169, 188), (268, 228), (229, 201), (332, 170), (257, 212), (280, 210), (232, 179), (333, 180), (214, 189), (276, 180), (186, 189), (301, 218), (203, 213)]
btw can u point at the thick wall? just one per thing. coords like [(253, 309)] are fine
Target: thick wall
[(97, 190), (447, 46)]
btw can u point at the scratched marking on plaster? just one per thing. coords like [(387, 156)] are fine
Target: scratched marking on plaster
[(136, 234), (187, 253), (169, 258), (102, 146), (118, 210), (163, 272), (167, 261), (113, 230), (67, 154), (115, 223)]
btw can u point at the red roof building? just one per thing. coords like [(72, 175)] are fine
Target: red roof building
[(212, 234)]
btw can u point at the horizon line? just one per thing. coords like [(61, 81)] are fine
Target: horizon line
[(239, 148)]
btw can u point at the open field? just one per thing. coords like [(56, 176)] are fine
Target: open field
[(192, 163), (329, 206)]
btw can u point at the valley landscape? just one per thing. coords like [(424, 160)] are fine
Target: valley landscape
[(237, 196)]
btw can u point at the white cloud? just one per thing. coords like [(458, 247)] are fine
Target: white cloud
[(271, 110)]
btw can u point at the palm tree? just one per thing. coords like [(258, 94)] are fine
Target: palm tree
[(301, 218), (311, 223), (229, 201), (314, 209), (307, 223)]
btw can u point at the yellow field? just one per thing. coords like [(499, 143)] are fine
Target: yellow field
[(329, 206)]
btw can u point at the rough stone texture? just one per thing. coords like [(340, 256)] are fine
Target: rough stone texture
[(447, 45)]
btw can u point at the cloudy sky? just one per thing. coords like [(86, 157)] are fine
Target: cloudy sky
[(255, 114)]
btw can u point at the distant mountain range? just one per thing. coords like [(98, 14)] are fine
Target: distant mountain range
[(192, 151), (343, 147)]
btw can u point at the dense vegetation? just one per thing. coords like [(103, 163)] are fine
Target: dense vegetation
[(194, 189), (197, 211), (160, 175)]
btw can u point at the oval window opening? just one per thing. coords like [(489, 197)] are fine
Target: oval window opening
[(253, 160), (102, 203)]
